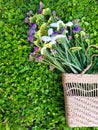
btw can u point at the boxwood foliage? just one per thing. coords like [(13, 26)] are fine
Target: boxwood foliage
[(31, 95)]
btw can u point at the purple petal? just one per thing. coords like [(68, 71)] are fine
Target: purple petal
[(69, 37), (30, 38), (31, 32), (76, 29), (62, 30), (54, 33), (32, 29), (36, 49), (51, 68), (39, 58), (26, 20), (40, 7), (33, 26)]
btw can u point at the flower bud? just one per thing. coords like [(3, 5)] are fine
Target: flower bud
[(83, 33), (87, 40), (46, 11), (49, 45), (76, 35)]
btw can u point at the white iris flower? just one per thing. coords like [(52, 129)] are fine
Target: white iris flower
[(52, 39), (46, 39), (69, 24), (57, 24), (50, 31), (53, 25), (59, 36)]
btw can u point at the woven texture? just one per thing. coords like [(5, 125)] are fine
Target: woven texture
[(81, 99)]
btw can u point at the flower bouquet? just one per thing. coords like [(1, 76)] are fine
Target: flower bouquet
[(66, 47)]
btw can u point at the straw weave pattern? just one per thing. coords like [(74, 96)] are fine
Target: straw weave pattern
[(81, 99)]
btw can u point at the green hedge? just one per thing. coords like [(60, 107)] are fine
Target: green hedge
[(31, 95)]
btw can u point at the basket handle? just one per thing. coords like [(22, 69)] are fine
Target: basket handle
[(91, 59), (89, 47)]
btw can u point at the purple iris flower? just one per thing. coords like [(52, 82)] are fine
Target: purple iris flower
[(69, 37), (39, 58), (31, 32), (36, 49), (40, 7), (34, 54), (32, 29), (30, 38), (76, 29)]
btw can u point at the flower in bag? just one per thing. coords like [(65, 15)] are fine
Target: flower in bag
[(30, 38), (61, 45), (57, 24), (40, 7), (45, 39), (69, 24), (50, 32), (69, 37), (32, 32), (76, 29)]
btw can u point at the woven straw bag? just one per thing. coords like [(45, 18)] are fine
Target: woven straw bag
[(81, 99)]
